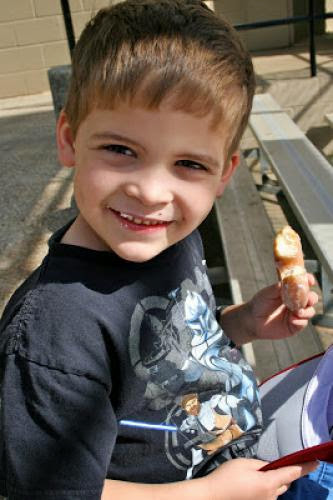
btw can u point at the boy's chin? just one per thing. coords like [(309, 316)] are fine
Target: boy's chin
[(139, 253)]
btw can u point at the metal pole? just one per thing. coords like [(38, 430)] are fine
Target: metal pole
[(281, 22), (312, 39), (66, 13)]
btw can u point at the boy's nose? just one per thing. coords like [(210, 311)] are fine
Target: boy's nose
[(149, 190)]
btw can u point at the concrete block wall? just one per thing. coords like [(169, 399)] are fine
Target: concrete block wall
[(329, 22), (250, 11), (33, 36), (33, 39)]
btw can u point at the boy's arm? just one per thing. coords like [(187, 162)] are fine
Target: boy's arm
[(195, 489), (236, 322), (238, 479)]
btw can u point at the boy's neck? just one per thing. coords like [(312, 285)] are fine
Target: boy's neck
[(80, 234)]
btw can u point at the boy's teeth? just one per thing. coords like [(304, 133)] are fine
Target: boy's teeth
[(137, 220), (126, 216)]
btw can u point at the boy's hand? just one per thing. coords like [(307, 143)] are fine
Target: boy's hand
[(271, 318), (266, 317), (241, 479)]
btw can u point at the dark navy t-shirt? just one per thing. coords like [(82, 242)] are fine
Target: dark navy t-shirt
[(114, 369)]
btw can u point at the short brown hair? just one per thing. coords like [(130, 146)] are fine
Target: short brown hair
[(144, 51)]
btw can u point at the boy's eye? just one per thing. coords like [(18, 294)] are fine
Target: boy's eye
[(119, 149), (191, 164)]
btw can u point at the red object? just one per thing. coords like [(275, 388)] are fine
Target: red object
[(322, 452)]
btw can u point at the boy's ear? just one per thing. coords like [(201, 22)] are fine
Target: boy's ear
[(228, 171), (65, 142)]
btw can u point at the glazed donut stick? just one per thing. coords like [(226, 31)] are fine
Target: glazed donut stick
[(289, 261)]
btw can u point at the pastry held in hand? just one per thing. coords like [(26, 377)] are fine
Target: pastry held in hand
[(289, 261)]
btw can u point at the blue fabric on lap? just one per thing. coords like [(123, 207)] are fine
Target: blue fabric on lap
[(318, 485)]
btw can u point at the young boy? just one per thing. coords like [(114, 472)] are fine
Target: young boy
[(117, 379)]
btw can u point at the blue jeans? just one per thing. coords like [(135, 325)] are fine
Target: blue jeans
[(318, 485)]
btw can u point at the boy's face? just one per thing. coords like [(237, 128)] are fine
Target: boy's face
[(144, 179)]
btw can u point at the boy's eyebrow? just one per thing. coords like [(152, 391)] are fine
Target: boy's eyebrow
[(106, 136)]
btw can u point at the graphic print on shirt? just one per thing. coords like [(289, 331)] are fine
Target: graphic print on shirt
[(205, 387)]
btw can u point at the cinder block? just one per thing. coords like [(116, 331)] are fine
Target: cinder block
[(51, 7), (9, 61), (19, 59), (47, 8), (7, 36), (235, 16), (12, 85), (225, 6), (56, 53), (80, 19), (12, 10), (31, 57), (36, 81), (46, 29), (75, 5), (261, 10), (279, 36), (94, 5)]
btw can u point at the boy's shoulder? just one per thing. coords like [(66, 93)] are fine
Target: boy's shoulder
[(52, 289), (53, 322)]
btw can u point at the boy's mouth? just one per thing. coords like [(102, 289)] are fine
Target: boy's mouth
[(144, 222)]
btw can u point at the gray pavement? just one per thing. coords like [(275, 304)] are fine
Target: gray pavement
[(36, 194)]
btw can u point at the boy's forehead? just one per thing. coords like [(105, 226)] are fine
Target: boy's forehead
[(141, 120), (217, 110), (168, 105)]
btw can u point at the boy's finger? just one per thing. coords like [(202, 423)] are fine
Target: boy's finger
[(286, 475), (311, 279), (307, 313), (308, 467), (312, 298), (282, 489), (298, 325)]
